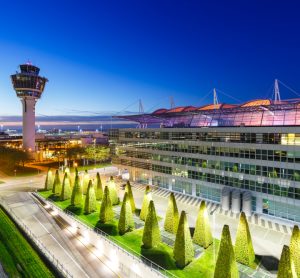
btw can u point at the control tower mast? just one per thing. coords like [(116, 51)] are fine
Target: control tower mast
[(29, 87)]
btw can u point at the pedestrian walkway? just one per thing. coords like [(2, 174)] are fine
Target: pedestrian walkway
[(212, 207)]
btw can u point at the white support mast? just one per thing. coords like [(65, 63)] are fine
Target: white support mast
[(276, 91), (216, 101)]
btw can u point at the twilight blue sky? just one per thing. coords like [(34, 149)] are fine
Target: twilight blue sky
[(104, 55)]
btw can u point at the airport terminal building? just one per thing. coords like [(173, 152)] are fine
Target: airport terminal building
[(245, 157)]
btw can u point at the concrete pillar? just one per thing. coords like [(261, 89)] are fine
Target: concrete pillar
[(170, 183), (150, 180), (259, 205), (28, 123), (236, 201), (247, 203), (225, 198), (193, 189)]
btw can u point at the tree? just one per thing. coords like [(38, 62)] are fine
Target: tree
[(76, 198), (85, 181), (286, 268), (226, 266), (183, 247), (172, 216), (146, 201), (113, 191), (98, 153), (244, 252), (106, 210), (295, 249), (202, 234), (49, 180), (99, 188), (56, 189), (128, 189), (151, 234), (66, 188), (126, 223), (90, 199)]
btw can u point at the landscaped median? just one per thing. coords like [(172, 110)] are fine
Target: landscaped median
[(17, 257)]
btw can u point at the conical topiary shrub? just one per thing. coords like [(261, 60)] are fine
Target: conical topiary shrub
[(183, 247), (76, 198), (99, 189), (126, 223), (85, 181), (226, 266), (113, 191), (66, 188), (244, 252), (106, 210), (295, 249), (286, 267), (151, 234), (56, 189), (145, 205), (202, 234), (90, 199), (172, 216), (67, 170), (128, 189), (49, 180)]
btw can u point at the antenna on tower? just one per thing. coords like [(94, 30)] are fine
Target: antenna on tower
[(141, 107), (172, 103), (276, 91), (216, 101)]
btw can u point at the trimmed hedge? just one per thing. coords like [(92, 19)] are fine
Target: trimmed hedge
[(151, 234), (76, 198), (66, 188), (113, 192), (202, 234), (49, 180), (145, 205), (99, 188), (106, 210), (90, 203), (128, 189), (244, 252), (183, 247), (126, 222), (226, 266), (85, 181), (56, 189), (285, 268), (295, 249), (172, 216)]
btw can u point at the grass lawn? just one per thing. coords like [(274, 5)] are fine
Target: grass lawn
[(132, 242), (20, 171), (16, 251)]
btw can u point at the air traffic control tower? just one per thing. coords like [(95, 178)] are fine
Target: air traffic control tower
[(29, 87)]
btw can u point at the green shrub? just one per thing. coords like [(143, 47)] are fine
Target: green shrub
[(145, 205), (183, 247), (126, 223), (76, 198), (295, 249), (66, 188), (49, 180), (106, 210), (202, 234), (244, 252), (85, 181), (90, 199), (151, 234), (67, 170), (99, 188), (226, 266), (286, 268), (56, 189), (128, 189), (172, 216), (113, 192)]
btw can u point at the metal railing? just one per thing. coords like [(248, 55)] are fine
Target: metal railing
[(42, 248), (160, 271)]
